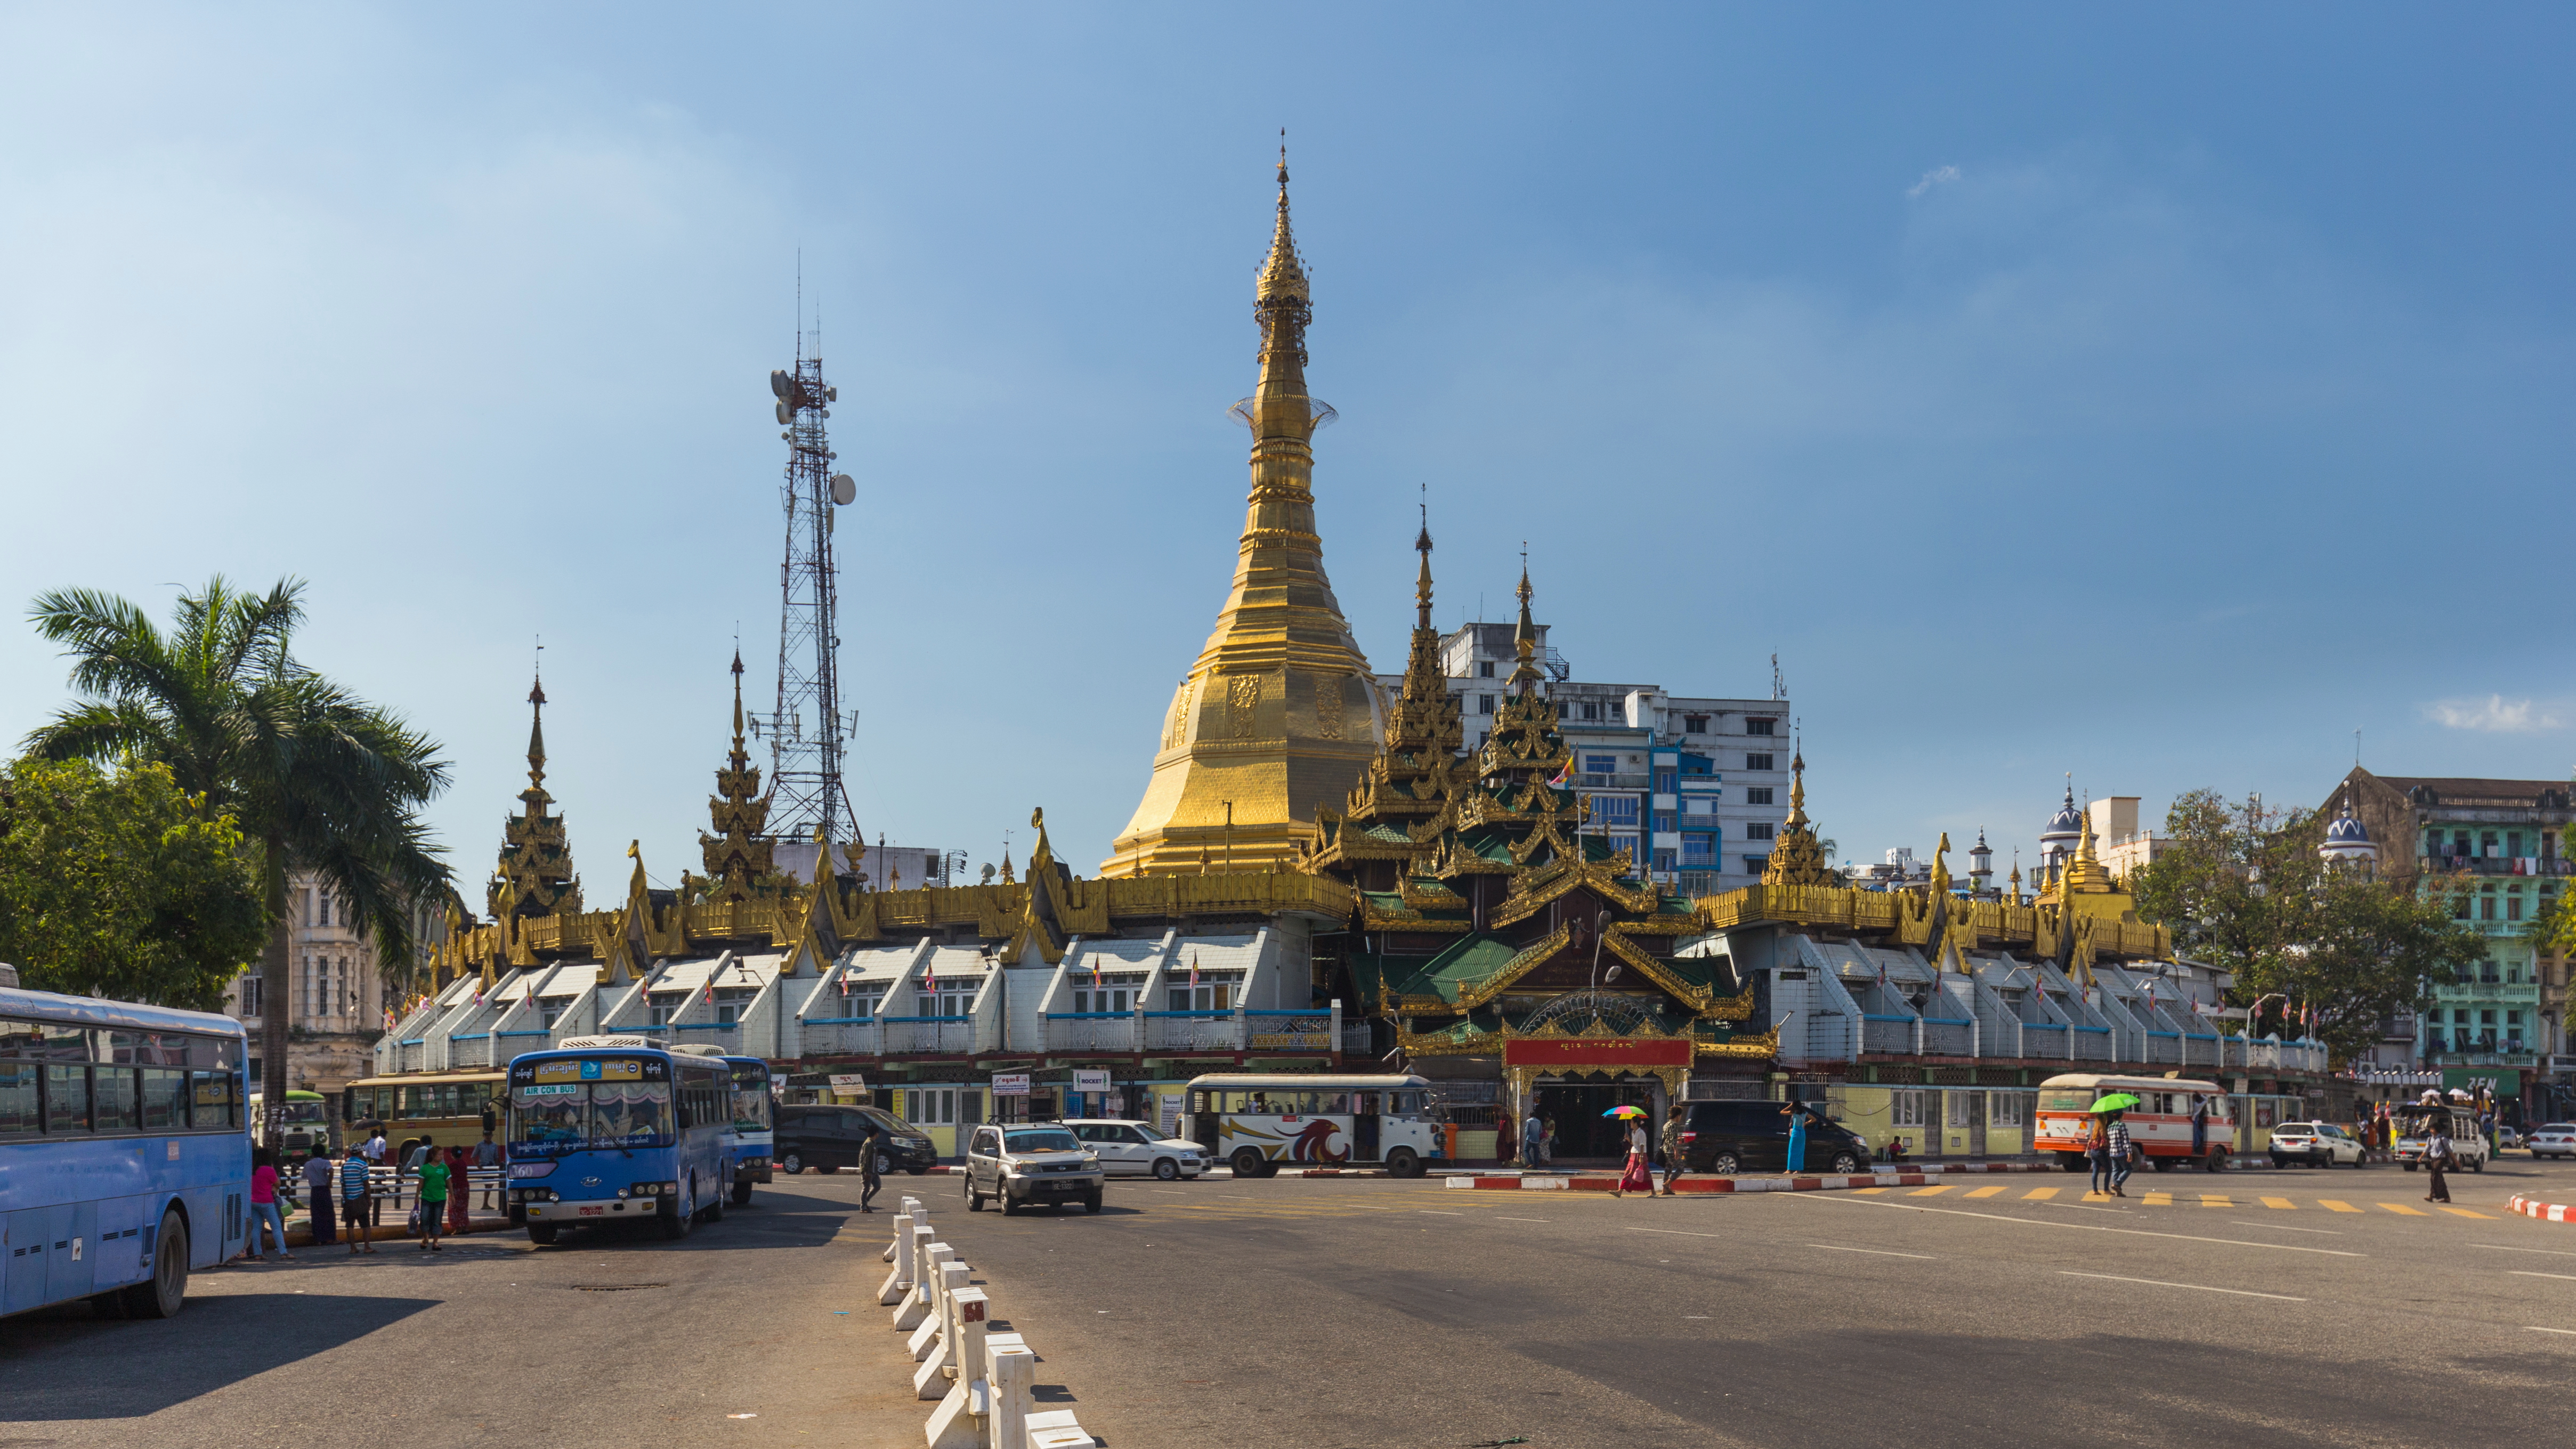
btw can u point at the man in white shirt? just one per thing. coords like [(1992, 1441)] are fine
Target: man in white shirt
[(2437, 1159)]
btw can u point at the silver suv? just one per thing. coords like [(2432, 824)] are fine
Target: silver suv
[(1028, 1165)]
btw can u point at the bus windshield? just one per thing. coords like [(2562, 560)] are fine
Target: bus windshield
[(750, 1096), (566, 1105)]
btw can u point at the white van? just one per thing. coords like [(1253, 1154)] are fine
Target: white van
[(2415, 1127)]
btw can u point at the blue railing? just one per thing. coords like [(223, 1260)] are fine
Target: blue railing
[(859, 1020), (706, 1026), (415, 1041), (1200, 1015), (477, 1036), (1947, 1021), (523, 1033), (961, 1019), (1873, 1016), (1081, 1016), (2096, 1030)]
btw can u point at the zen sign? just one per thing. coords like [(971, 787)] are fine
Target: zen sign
[(1010, 1084)]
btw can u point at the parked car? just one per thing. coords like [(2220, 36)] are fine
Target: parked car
[(826, 1139), (2415, 1126), (2318, 1144), (1025, 1166), (1727, 1137), (1134, 1149), (2553, 1139)]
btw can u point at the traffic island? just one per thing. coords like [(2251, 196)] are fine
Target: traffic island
[(2547, 1212)]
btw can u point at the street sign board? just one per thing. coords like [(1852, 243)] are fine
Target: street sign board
[(1087, 1081), (1010, 1084)]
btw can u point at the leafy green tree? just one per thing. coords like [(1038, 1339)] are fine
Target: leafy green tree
[(115, 883), (319, 779), (2243, 889)]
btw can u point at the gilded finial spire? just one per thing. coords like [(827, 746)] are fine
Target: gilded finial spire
[(738, 857), (1797, 857), (535, 875), (1524, 635), (537, 733), (1422, 580)]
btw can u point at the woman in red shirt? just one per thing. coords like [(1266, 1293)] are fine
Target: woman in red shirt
[(263, 1206)]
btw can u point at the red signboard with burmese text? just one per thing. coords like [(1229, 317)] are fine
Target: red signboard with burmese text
[(1667, 1051)]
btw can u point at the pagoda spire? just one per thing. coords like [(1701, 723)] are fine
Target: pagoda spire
[(1797, 857), (1279, 714), (535, 875), (1524, 636), (737, 856)]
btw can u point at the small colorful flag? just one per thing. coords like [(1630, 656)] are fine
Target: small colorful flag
[(1194, 968)]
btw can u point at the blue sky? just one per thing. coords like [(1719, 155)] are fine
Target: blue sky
[(2156, 398)]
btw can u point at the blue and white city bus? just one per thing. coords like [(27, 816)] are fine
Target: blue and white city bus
[(124, 1153), (618, 1128), (753, 1135)]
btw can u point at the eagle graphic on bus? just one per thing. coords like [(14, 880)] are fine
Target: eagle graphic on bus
[(1298, 1140)]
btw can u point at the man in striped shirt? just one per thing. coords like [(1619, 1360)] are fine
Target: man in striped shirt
[(353, 1200), (2118, 1135)]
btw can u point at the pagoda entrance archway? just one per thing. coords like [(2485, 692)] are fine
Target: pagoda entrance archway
[(1577, 1102)]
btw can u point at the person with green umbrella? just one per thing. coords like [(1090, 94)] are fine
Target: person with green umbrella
[(2107, 1144)]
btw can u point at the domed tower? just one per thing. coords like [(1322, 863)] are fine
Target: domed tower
[(2347, 845), (2057, 840), (1280, 715)]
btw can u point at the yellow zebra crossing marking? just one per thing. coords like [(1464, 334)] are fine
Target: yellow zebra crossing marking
[(1933, 1191), (1985, 1192), (2160, 1199), (2333, 1205), (2215, 1199), (1866, 1191), (2399, 1207), (2464, 1212), (2280, 1202), (2039, 1194)]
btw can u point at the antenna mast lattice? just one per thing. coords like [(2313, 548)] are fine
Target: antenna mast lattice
[(807, 732)]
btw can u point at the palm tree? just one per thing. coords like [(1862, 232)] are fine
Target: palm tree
[(324, 781)]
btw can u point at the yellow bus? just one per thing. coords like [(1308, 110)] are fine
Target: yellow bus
[(445, 1107)]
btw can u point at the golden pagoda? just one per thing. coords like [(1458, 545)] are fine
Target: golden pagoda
[(1279, 716)]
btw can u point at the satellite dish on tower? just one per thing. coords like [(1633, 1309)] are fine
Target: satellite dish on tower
[(778, 382), (843, 490)]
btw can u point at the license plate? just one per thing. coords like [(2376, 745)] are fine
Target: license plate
[(593, 1212)]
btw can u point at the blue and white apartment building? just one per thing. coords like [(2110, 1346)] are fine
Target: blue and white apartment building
[(1693, 787)]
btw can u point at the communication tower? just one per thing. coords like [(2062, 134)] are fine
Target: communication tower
[(807, 732)]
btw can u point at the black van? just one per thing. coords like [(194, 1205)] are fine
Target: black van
[(1726, 1137), (826, 1138)]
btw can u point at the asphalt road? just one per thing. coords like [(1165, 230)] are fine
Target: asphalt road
[(2303, 1309), (618, 1341), (1333, 1312)]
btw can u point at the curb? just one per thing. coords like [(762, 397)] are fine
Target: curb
[(2547, 1212)]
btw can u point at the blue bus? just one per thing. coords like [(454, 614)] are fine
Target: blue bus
[(618, 1129), (124, 1150), (753, 1135)]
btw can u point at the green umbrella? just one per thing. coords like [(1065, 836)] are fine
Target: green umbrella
[(2116, 1102)]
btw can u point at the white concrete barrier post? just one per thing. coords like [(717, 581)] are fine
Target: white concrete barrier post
[(1015, 1374), (910, 1208), (934, 1288), (1056, 1429), (907, 1317), (939, 1355), (958, 1422), (899, 1282)]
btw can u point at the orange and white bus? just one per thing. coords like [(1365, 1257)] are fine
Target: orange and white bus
[(2160, 1123)]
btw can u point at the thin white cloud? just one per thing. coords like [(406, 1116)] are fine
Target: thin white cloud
[(2493, 715), (1937, 176)]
